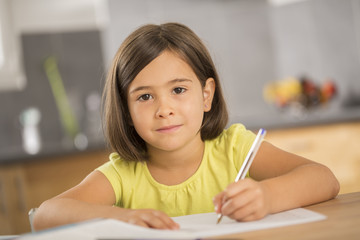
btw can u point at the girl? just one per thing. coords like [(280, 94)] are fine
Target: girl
[(165, 115)]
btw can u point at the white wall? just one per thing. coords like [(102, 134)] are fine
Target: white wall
[(58, 15)]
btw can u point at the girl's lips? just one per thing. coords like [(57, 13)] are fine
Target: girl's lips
[(168, 129)]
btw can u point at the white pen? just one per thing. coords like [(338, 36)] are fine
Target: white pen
[(248, 160)]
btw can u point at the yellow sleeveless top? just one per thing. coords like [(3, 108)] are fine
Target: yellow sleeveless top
[(135, 188)]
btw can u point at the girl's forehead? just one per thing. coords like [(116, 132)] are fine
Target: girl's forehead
[(164, 68)]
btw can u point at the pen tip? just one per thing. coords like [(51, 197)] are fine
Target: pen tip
[(219, 219)]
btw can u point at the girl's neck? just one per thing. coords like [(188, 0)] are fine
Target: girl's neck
[(171, 168)]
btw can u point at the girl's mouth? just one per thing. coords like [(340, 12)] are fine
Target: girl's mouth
[(168, 129)]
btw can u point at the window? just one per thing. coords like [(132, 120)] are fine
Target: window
[(11, 73), (1, 49)]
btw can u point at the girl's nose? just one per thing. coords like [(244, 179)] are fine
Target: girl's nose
[(164, 109)]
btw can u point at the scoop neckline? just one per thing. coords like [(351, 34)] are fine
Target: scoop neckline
[(180, 185)]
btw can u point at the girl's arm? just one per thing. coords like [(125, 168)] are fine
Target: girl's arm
[(280, 181), (94, 198)]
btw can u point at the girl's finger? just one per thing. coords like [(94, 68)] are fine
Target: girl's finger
[(241, 213), (169, 222), (218, 200), (159, 220), (152, 218), (238, 187), (154, 222), (250, 217), (138, 221), (236, 202), (252, 211)]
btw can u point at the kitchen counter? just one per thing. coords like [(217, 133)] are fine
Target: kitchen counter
[(275, 119)]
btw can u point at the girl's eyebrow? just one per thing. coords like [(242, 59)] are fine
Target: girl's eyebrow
[(139, 89), (176, 80)]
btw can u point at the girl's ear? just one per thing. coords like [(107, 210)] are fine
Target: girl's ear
[(208, 92)]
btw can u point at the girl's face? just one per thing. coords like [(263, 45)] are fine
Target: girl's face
[(167, 103)]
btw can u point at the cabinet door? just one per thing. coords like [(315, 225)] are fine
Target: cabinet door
[(336, 146), (5, 226), (26, 185), (13, 202), (52, 176)]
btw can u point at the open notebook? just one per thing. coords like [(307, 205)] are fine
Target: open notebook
[(192, 227)]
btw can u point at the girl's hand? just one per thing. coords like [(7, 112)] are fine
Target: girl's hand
[(148, 218), (245, 200)]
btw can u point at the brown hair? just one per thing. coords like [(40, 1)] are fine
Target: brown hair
[(138, 50)]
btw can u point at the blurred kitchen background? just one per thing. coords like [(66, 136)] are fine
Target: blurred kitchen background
[(290, 66)]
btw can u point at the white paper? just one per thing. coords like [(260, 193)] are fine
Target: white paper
[(191, 227), (204, 225)]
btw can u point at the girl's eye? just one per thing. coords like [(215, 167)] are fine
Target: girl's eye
[(145, 97), (179, 90)]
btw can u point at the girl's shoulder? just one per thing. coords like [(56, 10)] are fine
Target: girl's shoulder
[(236, 133), (236, 127), (121, 174), (117, 165), (233, 143), (115, 157), (116, 160)]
